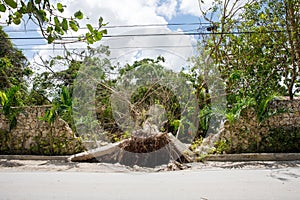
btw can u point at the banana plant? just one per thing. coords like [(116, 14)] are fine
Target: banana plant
[(62, 107), (10, 101), (3, 98)]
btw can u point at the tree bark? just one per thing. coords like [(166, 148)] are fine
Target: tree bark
[(294, 41)]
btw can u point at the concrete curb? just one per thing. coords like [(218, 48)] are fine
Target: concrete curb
[(33, 157), (254, 157), (219, 158)]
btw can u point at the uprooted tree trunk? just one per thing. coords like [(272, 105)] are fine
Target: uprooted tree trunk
[(143, 150)]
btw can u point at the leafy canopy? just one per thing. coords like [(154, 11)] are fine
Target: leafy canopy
[(48, 17)]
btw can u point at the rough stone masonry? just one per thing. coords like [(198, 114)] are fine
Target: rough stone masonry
[(32, 135)]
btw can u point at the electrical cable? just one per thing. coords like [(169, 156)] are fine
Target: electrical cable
[(156, 35), (123, 26), (113, 48)]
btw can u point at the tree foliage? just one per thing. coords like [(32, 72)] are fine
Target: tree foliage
[(255, 45), (49, 18), (10, 99), (14, 67), (50, 83)]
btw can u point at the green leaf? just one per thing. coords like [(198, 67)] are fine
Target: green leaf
[(98, 35), (18, 14), (59, 30), (78, 15), (60, 7), (104, 32), (23, 9), (56, 21), (52, 62), (90, 41), (176, 123), (17, 21), (91, 29), (89, 38), (49, 29), (100, 21), (2, 8), (3, 98), (73, 25), (11, 3), (37, 1), (65, 25), (42, 15), (30, 7), (50, 39)]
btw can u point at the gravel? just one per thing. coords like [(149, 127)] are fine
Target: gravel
[(66, 166)]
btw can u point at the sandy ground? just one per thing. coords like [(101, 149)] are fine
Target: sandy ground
[(65, 166), (61, 180)]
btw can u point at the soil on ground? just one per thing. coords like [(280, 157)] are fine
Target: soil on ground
[(66, 166)]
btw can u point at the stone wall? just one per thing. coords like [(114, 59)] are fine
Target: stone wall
[(280, 132), (34, 136), (31, 135)]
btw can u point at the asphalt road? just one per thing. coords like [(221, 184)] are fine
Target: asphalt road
[(215, 183)]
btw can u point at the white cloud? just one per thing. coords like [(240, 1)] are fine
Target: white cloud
[(129, 12), (167, 8), (192, 7), (118, 12), (175, 49)]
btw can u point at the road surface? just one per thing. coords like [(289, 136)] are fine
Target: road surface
[(201, 184)]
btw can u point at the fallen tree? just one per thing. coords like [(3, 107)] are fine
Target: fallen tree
[(142, 149)]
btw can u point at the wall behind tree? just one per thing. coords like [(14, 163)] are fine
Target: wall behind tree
[(278, 133), (32, 135)]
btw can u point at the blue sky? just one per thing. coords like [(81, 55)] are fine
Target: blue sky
[(127, 12)]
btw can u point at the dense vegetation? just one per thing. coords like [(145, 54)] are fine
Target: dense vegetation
[(255, 52)]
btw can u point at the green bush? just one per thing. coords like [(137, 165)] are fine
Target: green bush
[(278, 140), (281, 140)]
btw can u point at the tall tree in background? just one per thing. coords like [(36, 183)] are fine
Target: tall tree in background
[(14, 67), (256, 47), (14, 74), (292, 21), (50, 83), (276, 22)]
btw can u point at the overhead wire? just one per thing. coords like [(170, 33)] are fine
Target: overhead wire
[(123, 26), (191, 32), (113, 48), (156, 34)]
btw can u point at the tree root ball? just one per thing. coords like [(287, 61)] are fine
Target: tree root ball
[(145, 144)]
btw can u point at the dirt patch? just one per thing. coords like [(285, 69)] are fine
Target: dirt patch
[(65, 166)]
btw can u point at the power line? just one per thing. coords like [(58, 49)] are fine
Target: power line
[(127, 26), (157, 34), (31, 44), (124, 26), (112, 48)]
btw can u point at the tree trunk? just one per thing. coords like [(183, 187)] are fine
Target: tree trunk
[(293, 37)]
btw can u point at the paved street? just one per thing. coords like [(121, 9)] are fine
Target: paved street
[(208, 183)]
